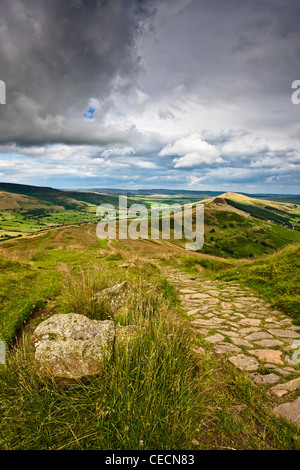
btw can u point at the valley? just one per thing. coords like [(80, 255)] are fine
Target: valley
[(172, 387)]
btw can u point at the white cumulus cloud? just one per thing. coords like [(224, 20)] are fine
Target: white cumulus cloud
[(192, 152)]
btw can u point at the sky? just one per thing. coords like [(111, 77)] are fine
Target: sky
[(178, 94)]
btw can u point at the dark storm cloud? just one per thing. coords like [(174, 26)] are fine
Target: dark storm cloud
[(54, 56)]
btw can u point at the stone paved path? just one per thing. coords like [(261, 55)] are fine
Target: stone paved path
[(245, 329)]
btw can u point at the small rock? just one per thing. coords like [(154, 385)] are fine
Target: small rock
[(116, 295), (289, 411), (279, 370), (72, 347), (244, 362), (195, 442)]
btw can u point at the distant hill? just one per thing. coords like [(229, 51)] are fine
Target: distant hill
[(143, 192), (96, 197), (18, 202), (239, 226), (67, 199), (282, 213), (203, 194), (50, 195)]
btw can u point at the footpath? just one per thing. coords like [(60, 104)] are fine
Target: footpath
[(248, 332)]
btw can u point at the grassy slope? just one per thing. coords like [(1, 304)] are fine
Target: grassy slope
[(155, 395), (233, 234), (276, 278), (11, 201), (28, 209)]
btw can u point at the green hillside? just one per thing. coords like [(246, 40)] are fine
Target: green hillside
[(53, 196), (237, 226), (25, 209)]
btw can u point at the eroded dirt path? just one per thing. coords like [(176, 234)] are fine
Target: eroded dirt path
[(248, 332)]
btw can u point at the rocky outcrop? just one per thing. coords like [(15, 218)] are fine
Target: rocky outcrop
[(71, 347), (115, 295)]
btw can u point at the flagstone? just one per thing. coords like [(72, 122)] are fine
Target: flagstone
[(257, 335), (242, 342), (231, 334), (251, 321), (284, 333), (269, 343), (193, 312), (290, 411), (266, 378), (268, 355), (250, 329), (224, 348), (244, 362), (203, 331), (215, 338), (279, 370), (290, 386), (187, 291), (199, 295)]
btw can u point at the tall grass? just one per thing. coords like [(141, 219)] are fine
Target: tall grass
[(154, 392), (145, 398)]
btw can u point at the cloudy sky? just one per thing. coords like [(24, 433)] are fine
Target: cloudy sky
[(187, 94)]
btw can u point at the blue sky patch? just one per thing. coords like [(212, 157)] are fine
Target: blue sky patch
[(89, 114)]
